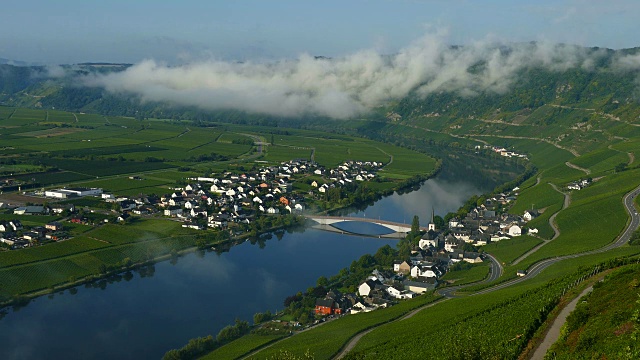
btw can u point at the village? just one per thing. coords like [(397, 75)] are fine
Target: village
[(228, 201), (436, 252)]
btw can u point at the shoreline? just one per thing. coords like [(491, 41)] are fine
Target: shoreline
[(24, 299)]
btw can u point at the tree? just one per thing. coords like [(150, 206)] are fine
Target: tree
[(322, 281), (439, 221), (621, 167), (415, 226)]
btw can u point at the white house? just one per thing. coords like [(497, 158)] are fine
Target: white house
[(365, 288), (400, 294), (514, 230), (530, 215), (472, 258), (425, 243), (423, 271), (271, 210), (450, 245), (360, 307), (574, 186), (172, 212)]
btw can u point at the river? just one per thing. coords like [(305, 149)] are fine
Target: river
[(142, 314)]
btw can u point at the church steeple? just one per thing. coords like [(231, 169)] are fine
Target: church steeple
[(432, 224)]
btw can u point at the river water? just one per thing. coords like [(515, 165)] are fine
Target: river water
[(141, 315)]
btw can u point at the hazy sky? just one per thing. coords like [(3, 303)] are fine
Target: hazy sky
[(71, 31)]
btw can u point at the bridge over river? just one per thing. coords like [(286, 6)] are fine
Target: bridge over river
[(399, 230)]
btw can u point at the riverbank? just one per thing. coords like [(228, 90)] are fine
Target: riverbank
[(23, 298)]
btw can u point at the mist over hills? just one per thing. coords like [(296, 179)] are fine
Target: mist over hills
[(428, 78)]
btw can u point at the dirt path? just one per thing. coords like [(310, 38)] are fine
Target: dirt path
[(354, 340), (552, 223), (552, 219), (553, 332), (572, 151), (389, 155), (573, 166)]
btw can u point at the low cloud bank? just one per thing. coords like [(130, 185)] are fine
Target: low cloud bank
[(350, 86)]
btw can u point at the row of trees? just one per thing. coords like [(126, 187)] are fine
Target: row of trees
[(202, 345)]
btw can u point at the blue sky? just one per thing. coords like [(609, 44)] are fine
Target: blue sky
[(71, 31)]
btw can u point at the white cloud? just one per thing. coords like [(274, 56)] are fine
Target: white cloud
[(344, 87)]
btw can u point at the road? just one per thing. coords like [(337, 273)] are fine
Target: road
[(495, 271)]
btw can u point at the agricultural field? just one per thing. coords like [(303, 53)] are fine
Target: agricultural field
[(279, 153), (476, 272), (52, 148), (507, 251), (500, 330), (600, 326), (601, 161), (51, 251), (241, 347)]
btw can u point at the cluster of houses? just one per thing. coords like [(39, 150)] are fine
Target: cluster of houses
[(579, 185), (503, 152), (483, 225), (215, 202), (372, 294), (436, 252), (16, 236), (347, 172)]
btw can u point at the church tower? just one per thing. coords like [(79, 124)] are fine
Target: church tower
[(432, 224)]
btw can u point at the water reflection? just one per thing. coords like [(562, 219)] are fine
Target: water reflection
[(364, 228)]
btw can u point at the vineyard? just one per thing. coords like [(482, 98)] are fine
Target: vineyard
[(486, 330)]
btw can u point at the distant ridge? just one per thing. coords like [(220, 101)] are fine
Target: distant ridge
[(103, 64), (14, 62)]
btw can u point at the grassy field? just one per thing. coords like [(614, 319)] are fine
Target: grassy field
[(599, 327), (594, 218), (86, 150), (506, 251), (241, 347), (476, 273)]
